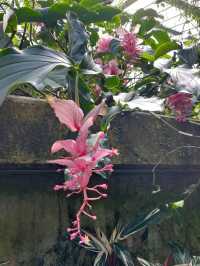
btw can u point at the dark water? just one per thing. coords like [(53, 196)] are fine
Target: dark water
[(34, 218)]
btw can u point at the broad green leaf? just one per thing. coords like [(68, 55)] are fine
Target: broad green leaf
[(78, 38), (117, 20), (141, 13), (112, 82), (4, 39), (189, 56), (9, 21), (166, 47), (88, 66), (90, 3), (50, 15), (27, 14), (161, 36), (147, 56), (146, 26), (31, 65), (145, 81)]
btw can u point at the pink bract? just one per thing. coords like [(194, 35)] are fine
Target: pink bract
[(103, 44), (71, 115), (129, 43), (82, 162), (112, 68), (181, 104)]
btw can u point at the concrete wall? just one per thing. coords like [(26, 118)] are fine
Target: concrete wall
[(33, 217)]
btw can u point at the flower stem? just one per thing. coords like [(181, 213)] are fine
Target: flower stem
[(77, 89)]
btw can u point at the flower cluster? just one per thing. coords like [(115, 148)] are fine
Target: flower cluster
[(83, 160), (103, 45), (128, 42), (181, 104), (117, 55)]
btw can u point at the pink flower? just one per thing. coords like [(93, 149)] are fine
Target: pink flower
[(70, 114), (129, 43), (103, 44), (99, 61), (111, 68), (181, 104), (85, 154)]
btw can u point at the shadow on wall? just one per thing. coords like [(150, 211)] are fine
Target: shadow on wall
[(34, 217)]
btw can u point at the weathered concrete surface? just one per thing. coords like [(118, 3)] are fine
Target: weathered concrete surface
[(29, 128), (145, 139), (33, 217)]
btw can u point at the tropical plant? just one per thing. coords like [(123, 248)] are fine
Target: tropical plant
[(111, 251), (177, 256), (122, 53)]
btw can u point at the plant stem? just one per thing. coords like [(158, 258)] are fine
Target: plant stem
[(76, 89)]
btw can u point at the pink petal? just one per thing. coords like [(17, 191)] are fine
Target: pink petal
[(103, 44), (101, 136), (68, 112), (67, 145), (101, 153), (94, 112), (84, 131)]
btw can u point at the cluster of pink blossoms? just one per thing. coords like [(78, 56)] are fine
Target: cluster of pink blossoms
[(103, 45), (83, 160), (181, 104), (110, 68), (128, 43)]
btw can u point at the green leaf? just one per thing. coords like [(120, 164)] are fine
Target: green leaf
[(1, 16), (9, 21), (78, 38), (145, 81), (117, 20), (146, 26), (141, 13), (161, 36), (178, 204), (124, 255), (164, 48), (100, 259), (31, 65), (112, 82), (88, 66), (4, 39), (147, 56), (94, 37), (90, 3), (50, 15), (143, 262), (27, 14), (140, 224)]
